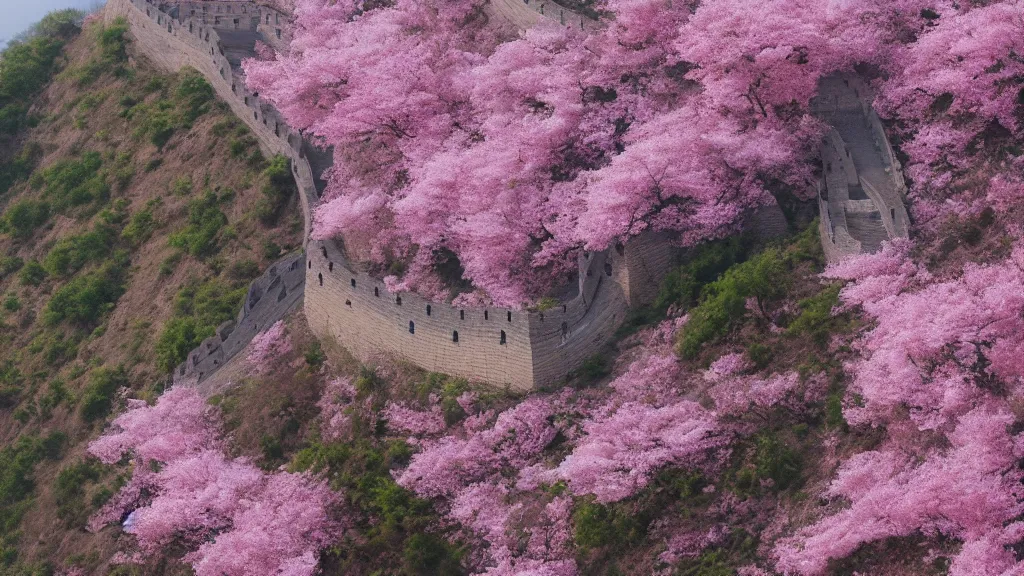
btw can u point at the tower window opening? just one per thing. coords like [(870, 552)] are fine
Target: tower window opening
[(412, 327), (455, 336), (503, 338), (428, 309)]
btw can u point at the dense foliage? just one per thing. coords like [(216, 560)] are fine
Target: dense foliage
[(513, 152)]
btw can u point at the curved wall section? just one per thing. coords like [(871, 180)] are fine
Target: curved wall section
[(518, 349)]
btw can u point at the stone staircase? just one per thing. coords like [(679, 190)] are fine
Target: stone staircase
[(867, 228)]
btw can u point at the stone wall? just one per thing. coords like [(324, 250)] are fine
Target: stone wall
[(529, 13), (862, 190), (270, 298), (514, 348), (491, 345)]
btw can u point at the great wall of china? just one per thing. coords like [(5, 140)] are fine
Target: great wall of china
[(519, 349), (862, 193)]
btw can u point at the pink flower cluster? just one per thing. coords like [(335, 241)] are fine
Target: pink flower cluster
[(943, 362), (335, 406), (235, 518), (409, 421), (269, 346)]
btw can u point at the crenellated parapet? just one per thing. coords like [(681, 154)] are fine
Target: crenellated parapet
[(268, 299)]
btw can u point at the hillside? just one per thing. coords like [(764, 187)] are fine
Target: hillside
[(768, 407), (139, 211)]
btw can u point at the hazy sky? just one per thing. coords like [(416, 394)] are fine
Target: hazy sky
[(20, 14)]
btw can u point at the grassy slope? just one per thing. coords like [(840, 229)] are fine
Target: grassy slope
[(60, 374)]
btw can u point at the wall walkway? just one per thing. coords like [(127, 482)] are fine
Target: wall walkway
[(528, 13), (862, 194)]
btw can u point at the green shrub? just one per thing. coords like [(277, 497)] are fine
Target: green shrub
[(240, 146), (13, 117), (123, 170), (682, 286), (193, 94), (17, 482), (760, 355), (225, 126), (314, 355), (179, 337), (32, 274), (72, 253), (170, 264), (98, 396), (244, 270), (205, 220), (271, 250), (723, 302), (87, 297), (56, 394), (26, 67), (141, 225), (10, 383), (198, 309), (277, 190), (774, 460), (11, 303), (181, 186), (362, 468), (57, 347), (23, 217), (69, 490), (599, 526), (834, 411), (9, 265), (816, 320), (113, 40), (76, 182), (425, 554)]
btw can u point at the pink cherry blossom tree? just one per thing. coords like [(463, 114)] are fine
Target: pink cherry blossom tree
[(269, 346), (235, 518)]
